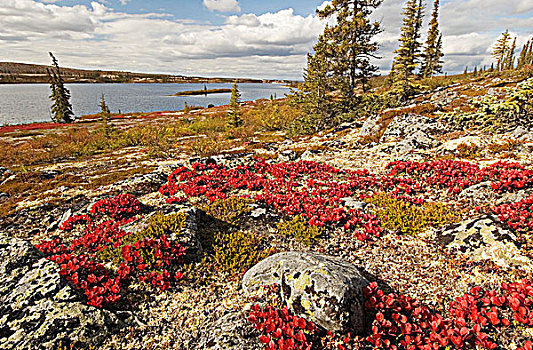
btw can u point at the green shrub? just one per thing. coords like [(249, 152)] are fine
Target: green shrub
[(300, 230), (228, 210), (406, 218), (492, 114), (235, 251)]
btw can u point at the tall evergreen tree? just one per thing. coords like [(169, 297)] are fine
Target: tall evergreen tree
[(408, 54), (105, 114), (501, 50), (350, 43), (61, 107), (316, 82), (526, 56), (234, 119), (433, 54), (509, 58), (523, 56)]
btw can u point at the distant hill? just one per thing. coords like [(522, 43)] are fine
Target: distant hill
[(22, 73)]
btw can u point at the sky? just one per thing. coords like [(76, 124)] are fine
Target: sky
[(230, 38)]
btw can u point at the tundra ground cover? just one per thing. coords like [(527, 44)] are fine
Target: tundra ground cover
[(317, 191), (154, 260), (472, 321)]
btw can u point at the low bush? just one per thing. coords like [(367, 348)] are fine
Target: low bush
[(299, 228), (236, 251), (153, 260), (406, 217), (228, 210)]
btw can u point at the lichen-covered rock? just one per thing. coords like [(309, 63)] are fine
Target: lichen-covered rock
[(5, 174), (370, 126), (418, 140), (322, 289), (38, 310), (409, 124), (483, 239), (231, 332)]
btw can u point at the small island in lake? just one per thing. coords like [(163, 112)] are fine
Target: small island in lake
[(201, 92)]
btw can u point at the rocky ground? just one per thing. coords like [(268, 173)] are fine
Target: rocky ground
[(207, 309)]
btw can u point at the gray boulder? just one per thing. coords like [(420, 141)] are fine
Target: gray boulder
[(325, 290), (409, 124), (37, 309), (481, 239), (371, 126), (418, 140)]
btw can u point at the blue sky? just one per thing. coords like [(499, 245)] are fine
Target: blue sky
[(230, 38)]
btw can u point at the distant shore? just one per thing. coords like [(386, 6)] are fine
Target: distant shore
[(201, 92)]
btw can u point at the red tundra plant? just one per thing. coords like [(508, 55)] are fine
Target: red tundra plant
[(151, 260), (281, 330), (458, 175), (402, 323), (32, 126), (313, 190), (118, 208), (518, 215)]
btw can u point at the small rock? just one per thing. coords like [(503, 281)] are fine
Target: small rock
[(370, 126), (66, 215), (352, 203), (287, 156), (416, 141), (258, 212), (308, 155), (325, 290)]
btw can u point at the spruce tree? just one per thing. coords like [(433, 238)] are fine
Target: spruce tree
[(60, 96), (408, 54), (349, 44), (509, 58), (523, 56), (234, 114), (105, 114), (529, 55), (313, 96), (501, 50), (433, 54)]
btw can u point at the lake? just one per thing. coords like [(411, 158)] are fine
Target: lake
[(27, 103)]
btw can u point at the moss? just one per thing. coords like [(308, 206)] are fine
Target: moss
[(236, 251), (300, 230), (406, 218), (228, 210)]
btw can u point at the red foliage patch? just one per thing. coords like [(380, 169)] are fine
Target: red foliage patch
[(33, 126), (103, 285), (401, 322)]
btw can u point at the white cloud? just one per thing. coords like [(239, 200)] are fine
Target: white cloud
[(99, 37), (222, 5), (268, 45)]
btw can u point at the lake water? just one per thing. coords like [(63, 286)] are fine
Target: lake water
[(27, 103)]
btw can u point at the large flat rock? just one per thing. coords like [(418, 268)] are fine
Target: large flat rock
[(37, 309)]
